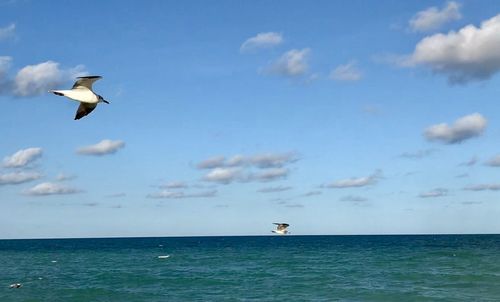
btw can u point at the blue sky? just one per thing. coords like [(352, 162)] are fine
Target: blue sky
[(338, 117)]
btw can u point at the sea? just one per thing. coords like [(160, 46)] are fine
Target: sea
[(253, 268)]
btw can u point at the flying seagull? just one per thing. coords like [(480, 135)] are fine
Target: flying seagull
[(15, 285), (82, 92), (281, 228)]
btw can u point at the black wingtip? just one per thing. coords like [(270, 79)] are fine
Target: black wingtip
[(58, 93)]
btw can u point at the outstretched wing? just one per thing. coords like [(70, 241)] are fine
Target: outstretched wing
[(84, 109), (86, 82), (281, 226)]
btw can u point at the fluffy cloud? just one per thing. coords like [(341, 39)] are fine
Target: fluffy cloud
[(223, 175), (438, 192), (50, 188), (262, 40), (494, 162), (471, 54), (462, 129), (18, 177), (174, 185), (211, 163), (268, 160), (433, 18), (354, 182), (37, 79), (347, 72), (22, 157), (166, 194), (292, 63), (483, 187), (269, 174), (7, 31), (104, 147), (274, 189)]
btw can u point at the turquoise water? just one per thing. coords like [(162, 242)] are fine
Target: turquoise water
[(267, 268)]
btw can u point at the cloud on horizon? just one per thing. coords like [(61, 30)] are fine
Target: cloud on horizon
[(104, 147), (466, 127)]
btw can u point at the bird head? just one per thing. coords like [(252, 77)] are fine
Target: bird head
[(101, 99)]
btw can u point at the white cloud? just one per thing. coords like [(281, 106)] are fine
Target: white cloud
[(269, 174), (104, 147), (274, 189), (50, 188), (292, 63), (262, 40), (347, 72), (223, 175), (464, 128), (438, 192), (354, 182), (22, 157), (269, 160), (166, 194), (494, 162), (213, 162), (37, 79), (433, 18), (7, 31), (174, 185), (483, 187), (471, 54), (18, 177)]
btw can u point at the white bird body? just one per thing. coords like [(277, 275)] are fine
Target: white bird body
[(82, 93), (281, 228)]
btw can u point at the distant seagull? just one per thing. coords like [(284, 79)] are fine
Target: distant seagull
[(16, 285), (164, 257), (281, 228), (82, 92)]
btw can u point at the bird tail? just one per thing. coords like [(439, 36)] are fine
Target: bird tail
[(56, 92)]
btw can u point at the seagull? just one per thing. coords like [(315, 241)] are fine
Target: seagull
[(16, 285), (82, 92), (281, 228)]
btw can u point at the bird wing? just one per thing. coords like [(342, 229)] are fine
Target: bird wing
[(86, 82), (84, 109), (281, 226)]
